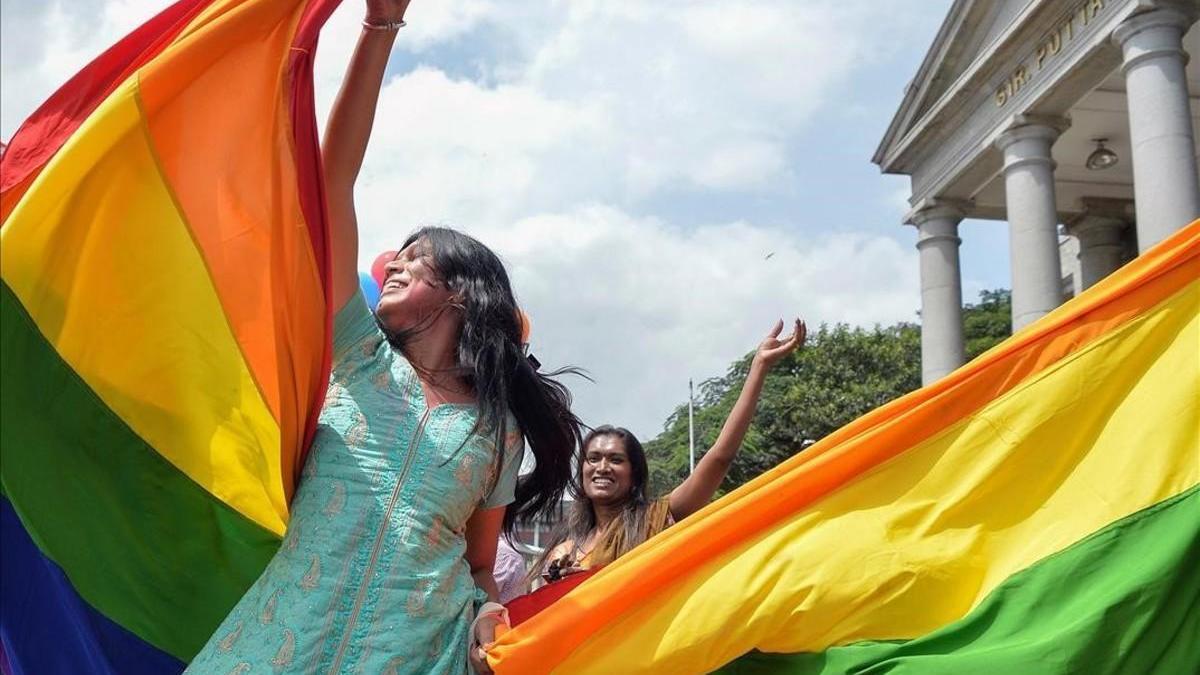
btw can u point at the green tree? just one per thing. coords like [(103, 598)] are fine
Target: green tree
[(841, 374), (987, 323)]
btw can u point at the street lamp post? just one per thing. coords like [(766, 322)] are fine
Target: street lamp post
[(691, 428)]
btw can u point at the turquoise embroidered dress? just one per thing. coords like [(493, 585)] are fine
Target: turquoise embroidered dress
[(371, 576)]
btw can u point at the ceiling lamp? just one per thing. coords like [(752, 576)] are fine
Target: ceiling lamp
[(1101, 158)]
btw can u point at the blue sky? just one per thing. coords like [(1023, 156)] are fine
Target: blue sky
[(633, 163)]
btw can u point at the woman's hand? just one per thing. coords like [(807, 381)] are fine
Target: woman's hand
[(385, 11), (484, 631), (478, 659), (772, 349)]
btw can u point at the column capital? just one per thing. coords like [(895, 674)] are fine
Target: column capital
[(1175, 17), (1100, 215), (1179, 15), (1087, 225), (941, 208), (1032, 126), (1111, 207)]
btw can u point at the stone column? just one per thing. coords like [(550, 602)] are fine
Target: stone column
[(1166, 185), (941, 289), (1101, 246), (1032, 216)]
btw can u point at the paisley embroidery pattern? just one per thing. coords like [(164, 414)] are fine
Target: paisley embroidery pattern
[(392, 667), (313, 576), (230, 639), (465, 473), (287, 650), (337, 500), (434, 536), (382, 381), (357, 433), (268, 613), (435, 646), (240, 669), (417, 598)]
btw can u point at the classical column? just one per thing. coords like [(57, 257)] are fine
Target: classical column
[(1101, 246), (941, 289), (1032, 216), (1166, 185)]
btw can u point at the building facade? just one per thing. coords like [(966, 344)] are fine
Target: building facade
[(1076, 121)]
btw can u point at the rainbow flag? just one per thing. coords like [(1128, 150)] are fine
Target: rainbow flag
[(165, 334), (1037, 511)]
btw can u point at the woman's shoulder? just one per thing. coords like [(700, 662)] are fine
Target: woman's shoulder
[(356, 335)]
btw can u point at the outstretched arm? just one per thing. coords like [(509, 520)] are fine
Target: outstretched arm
[(699, 487), (346, 136)]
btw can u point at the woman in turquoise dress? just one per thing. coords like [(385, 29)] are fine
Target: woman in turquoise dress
[(412, 473)]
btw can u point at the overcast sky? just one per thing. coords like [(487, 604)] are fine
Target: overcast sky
[(664, 179)]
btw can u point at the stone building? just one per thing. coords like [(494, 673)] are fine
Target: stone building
[(1069, 119)]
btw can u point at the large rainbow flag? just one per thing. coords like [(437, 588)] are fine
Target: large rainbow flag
[(165, 334), (164, 331), (1037, 511)]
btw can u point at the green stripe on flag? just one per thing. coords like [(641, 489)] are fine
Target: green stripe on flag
[(1126, 599), (140, 541)]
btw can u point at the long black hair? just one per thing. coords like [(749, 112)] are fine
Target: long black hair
[(493, 362), (641, 517)]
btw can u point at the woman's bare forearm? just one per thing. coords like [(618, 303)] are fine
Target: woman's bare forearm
[(353, 113), (345, 144), (712, 468), (733, 432)]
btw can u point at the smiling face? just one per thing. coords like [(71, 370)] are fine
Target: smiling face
[(412, 291), (607, 471)]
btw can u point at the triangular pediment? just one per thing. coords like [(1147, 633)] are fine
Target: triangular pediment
[(982, 24), (969, 31)]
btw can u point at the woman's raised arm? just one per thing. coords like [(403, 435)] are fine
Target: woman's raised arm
[(698, 488), (347, 133)]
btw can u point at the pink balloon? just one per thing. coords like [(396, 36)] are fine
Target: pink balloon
[(378, 273)]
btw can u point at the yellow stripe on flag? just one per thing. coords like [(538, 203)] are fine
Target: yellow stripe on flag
[(132, 309), (917, 542)]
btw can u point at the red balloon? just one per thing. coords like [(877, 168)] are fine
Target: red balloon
[(377, 268)]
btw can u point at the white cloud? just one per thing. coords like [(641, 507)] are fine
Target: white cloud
[(46, 43), (704, 94), (579, 121), (644, 305)]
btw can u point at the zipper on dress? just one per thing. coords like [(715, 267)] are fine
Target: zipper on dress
[(379, 537)]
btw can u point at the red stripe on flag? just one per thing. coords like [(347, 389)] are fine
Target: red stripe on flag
[(48, 128), (527, 606), (312, 198)]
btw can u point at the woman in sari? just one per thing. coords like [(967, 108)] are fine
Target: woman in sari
[(612, 512)]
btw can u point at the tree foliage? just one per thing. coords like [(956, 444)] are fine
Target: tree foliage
[(841, 374)]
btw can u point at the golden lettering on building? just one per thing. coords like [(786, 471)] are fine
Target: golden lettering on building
[(1050, 47)]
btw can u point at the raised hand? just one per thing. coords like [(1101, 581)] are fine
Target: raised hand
[(772, 349)]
